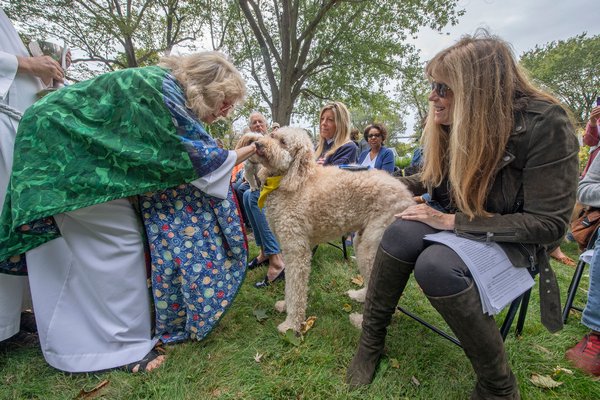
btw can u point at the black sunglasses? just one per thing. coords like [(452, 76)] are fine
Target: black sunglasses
[(440, 88), (374, 135)]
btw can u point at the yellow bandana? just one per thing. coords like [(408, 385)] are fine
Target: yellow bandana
[(271, 184)]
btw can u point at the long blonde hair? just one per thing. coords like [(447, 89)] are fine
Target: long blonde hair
[(208, 79), (341, 117), (488, 87)]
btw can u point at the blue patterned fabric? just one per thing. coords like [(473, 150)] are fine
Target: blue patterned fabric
[(197, 246), (198, 253)]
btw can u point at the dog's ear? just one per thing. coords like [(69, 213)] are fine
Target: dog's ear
[(301, 169)]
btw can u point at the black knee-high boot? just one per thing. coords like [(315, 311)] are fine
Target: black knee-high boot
[(482, 343), (388, 280)]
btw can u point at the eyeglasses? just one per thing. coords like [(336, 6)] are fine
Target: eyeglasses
[(374, 135), (440, 88)]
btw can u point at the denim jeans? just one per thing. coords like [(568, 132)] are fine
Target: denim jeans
[(262, 234), (591, 312)]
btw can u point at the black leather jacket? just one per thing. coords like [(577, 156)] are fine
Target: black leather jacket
[(532, 197)]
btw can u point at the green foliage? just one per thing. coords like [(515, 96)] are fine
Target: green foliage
[(570, 69), (112, 34), (301, 54)]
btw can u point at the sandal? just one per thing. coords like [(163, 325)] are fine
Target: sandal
[(565, 260), (140, 366), (255, 263), (266, 282)]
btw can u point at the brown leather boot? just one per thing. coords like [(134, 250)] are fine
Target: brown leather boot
[(481, 340), (388, 280)]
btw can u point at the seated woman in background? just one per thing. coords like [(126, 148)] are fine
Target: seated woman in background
[(335, 146), (379, 156)]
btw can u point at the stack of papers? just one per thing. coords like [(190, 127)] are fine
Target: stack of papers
[(499, 282)]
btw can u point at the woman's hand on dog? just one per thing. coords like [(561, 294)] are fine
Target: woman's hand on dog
[(430, 216), (244, 153)]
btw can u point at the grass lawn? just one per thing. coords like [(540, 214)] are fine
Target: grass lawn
[(420, 364)]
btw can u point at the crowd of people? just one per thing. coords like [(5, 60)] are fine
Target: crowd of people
[(111, 198)]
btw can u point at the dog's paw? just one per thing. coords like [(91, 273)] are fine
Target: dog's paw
[(356, 320), (286, 326), (358, 295), (280, 306)]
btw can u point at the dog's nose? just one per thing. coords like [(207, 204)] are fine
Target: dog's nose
[(259, 145)]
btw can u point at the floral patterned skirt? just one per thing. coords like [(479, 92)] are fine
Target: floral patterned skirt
[(198, 254)]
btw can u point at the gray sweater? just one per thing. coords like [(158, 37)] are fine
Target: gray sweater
[(588, 191)]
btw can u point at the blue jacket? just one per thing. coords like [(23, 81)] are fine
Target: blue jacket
[(384, 160), (345, 154)]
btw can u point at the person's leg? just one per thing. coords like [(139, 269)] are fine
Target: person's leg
[(447, 283), (270, 246), (240, 189), (261, 258), (586, 354), (92, 302), (400, 246)]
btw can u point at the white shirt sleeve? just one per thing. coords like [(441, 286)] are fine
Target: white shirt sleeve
[(217, 183), (8, 71)]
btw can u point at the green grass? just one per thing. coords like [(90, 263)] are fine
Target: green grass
[(223, 365)]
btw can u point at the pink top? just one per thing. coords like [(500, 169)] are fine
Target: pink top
[(591, 139)]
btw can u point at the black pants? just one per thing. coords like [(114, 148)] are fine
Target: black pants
[(437, 268)]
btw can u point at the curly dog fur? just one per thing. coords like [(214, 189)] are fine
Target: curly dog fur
[(316, 204)]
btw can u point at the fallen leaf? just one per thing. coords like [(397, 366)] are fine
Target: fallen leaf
[(394, 363), (558, 369), (544, 381), (293, 337), (90, 394), (258, 357), (347, 307), (415, 381), (542, 349), (358, 280), (260, 315), (308, 324)]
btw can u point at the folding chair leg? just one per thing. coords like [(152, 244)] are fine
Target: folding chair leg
[(510, 316), (523, 312), (573, 289)]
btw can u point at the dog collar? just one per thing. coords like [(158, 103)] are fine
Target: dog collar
[(271, 184)]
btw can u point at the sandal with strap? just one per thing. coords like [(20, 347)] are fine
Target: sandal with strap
[(140, 366), (255, 263), (266, 282)]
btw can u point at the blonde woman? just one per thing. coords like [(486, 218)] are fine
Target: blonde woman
[(492, 143), (128, 147), (335, 146)]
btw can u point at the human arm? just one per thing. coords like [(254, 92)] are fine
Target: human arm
[(43, 67), (588, 191), (591, 138), (387, 160), (547, 182), (244, 153), (345, 154)]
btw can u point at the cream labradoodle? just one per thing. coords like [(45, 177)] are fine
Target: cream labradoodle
[(315, 204)]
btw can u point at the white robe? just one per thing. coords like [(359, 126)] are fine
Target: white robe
[(18, 91)]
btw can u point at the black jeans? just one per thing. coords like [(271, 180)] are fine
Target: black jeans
[(437, 268)]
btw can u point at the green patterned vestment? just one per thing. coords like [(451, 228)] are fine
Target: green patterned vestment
[(88, 143)]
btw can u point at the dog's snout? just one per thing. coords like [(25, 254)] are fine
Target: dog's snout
[(259, 145)]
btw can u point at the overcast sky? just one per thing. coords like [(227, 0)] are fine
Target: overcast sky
[(523, 23)]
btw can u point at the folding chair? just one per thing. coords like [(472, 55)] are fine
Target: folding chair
[(574, 285), (520, 304), (341, 247)]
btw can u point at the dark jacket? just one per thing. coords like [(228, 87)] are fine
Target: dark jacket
[(384, 160), (531, 199), (345, 154)]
